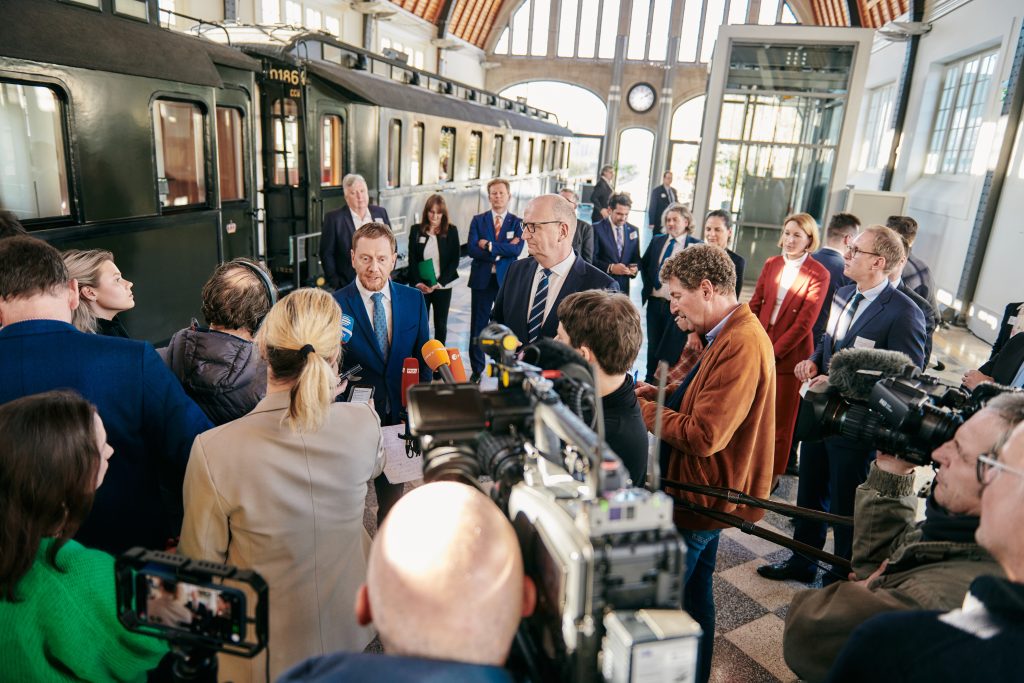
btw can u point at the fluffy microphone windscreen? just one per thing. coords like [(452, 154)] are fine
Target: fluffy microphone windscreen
[(853, 372), (435, 354)]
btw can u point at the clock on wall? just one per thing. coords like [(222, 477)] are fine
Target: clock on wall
[(641, 98)]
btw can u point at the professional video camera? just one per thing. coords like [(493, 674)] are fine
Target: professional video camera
[(880, 398), (606, 559), (200, 608)]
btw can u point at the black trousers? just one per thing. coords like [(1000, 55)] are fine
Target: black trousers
[(480, 315), (659, 318), (440, 300)]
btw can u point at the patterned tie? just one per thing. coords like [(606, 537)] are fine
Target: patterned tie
[(380, 323), (497, 228), (618, 238), (540, 300), (664, 257), (846, 320)]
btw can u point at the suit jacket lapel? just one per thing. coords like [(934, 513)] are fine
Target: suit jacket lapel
[(573, 283), (873, 308), (363, 325), (398, 340), (523, 311), (771, 292)]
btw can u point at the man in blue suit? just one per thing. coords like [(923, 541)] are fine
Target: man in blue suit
[(838, 235), (389, 324), (150, 422), (617, 243), (868, 314), (495, 242), (528, 299), (341, 224)]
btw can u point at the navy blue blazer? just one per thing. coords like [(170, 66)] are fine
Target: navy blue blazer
[(352, 666), (150, 423), (336, 244), (834, 264), (514, 295), (1006, 364), (502, 254), (650, 262), (606, 252), (409, 332), (891, 322)]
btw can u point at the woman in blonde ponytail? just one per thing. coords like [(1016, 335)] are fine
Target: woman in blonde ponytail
[(282, 489)]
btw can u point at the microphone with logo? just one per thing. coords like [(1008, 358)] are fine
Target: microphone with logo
[(410, 378), (435, 355), (346, 328)]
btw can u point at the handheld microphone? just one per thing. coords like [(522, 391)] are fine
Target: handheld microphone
[(458, 369), (410, 377), (437, 359), (346, 328), (853, 372)]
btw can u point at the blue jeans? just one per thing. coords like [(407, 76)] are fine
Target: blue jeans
[(698, 599)]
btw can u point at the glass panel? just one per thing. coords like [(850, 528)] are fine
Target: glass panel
[(877, 137), (270, 11), (637, 46), (229, 154), (521, 29), (636, 147), (292, 13), (543, 154), (959, 115), (33, 169), (314, 19), (502, 46), (333, 25), (529, 156), (769, 10), (738, 11), (180, 163), (609, 29), (787, 15), (395, 153), (476, 143), (132, 8), (416, 155), (496, 150), (332, 150), (690, 32), (446, 155), (588, 31), (87, 3), (554, 155), (687, 119), (683, 163), (800, 68), (541, 16), (659, 30), (584, 157), (713, 17), (567, 28), (515, 155)]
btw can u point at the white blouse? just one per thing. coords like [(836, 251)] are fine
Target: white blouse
[(786, 280)]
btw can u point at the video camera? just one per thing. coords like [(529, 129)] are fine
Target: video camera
[(201, 608), (881, 399), (606, 558)]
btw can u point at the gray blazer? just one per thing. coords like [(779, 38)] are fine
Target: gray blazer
[(289, 505)]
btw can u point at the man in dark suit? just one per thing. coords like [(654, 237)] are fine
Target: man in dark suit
[(662, 197), (341, 224), (495, 242), (601, 194), (869, 314), (528, 299), (931, 316), (150, 421), (1006, 368), (583, 238), (1013, 322), (841, 230), (389, 324), (617, 243)]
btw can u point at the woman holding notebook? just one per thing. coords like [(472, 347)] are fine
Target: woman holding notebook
[(434, 261)]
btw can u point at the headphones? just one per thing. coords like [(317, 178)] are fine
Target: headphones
[(268, 285)]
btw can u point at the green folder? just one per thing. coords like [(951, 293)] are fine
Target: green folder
[(427, 272)]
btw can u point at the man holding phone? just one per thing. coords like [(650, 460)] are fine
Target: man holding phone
[(617, 243)]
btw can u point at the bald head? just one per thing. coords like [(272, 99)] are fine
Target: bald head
[(555, 218), (445, 578)]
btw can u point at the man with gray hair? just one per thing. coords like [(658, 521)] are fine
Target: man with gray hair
[(341, 224), (583, 239)]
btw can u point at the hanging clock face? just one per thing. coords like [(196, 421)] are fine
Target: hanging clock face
[(641, 98)]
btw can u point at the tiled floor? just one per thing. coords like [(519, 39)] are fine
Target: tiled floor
[(751, 610)]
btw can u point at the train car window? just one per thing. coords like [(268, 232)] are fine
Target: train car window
[(529, 156), (554, 155), (568, 152), (446, 155), (416, 162), (136, 9), (180, 157), (229, 154), (476, 143), (332, 150), (395, 153), (87, 3), (515, 155), (543, 154), (496, 150), (33, 168)]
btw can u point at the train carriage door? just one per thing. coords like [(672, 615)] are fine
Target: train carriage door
[(285, 182), (233, 162)]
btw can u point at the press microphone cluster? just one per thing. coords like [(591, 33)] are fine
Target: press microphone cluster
[(445, 362)]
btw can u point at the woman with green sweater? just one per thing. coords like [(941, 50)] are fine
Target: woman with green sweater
[(58, 608)]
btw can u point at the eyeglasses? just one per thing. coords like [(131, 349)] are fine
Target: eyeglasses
[(988, 466), (532, 227), (853, 251)]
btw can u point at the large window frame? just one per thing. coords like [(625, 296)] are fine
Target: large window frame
[(475, 153), (517, 146), (332, 151), (393, 175), (231, 176), (497, 147), (181, 180), (416, 153), (446, 142), (960, 113), (877, 134)]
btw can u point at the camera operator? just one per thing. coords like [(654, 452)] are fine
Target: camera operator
[(984, 639), (900, 565), (445, 588), (605, 328), (719, 422)]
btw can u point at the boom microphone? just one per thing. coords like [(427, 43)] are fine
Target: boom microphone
[(853, 372), (437, 359), (410, 377), (458, 369)]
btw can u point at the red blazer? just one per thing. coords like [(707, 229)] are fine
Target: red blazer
[(792, 334)]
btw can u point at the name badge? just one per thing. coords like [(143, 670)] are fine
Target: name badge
[(510, 235), (423, 239), (1011, 321), (862, 343), (633, 234)]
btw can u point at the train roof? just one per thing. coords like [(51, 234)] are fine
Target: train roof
[(51, 32)]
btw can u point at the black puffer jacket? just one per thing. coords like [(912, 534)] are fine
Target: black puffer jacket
[(222, 373)]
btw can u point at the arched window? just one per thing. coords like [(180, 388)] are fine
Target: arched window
[(685, 146)]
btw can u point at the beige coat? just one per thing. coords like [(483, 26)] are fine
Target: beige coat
[(289, 506)]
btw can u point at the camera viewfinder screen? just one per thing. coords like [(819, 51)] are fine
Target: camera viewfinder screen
[(215, 612)]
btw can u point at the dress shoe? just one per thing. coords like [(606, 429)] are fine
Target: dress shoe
[(790, 570), (793, 469), (475, 378)]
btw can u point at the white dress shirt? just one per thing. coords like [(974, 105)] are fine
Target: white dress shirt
[(360, 221), (789, 272), (368, 302), (555, 281), (869, 296)]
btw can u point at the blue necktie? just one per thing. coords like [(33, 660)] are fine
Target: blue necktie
[(380, 323), (668, 252), (540, 300)]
